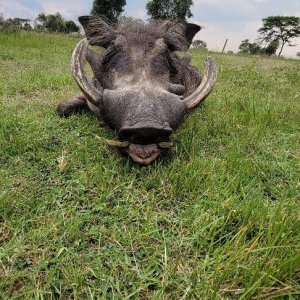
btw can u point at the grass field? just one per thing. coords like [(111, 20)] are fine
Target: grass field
[(216, 218)]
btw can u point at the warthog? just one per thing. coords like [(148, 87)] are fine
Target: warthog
[(141, 87)]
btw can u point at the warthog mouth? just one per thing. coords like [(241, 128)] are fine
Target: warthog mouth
[(144, 154), (141, 154)]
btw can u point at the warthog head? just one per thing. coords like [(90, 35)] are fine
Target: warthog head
[(141, 87)]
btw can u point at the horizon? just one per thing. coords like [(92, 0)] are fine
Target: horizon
[(235, 20)]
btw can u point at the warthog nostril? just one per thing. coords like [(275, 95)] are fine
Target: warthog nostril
[(144, 154), (145, 135)]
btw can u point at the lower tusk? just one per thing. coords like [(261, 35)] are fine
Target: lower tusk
[(117, 144), (113, 143), (165, 145)]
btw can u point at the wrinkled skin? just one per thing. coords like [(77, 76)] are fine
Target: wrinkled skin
[(141, 79)]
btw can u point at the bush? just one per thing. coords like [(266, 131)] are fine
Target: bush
[(255, 49), (14, 25), (199, 44), (55, 23), (9, 26)]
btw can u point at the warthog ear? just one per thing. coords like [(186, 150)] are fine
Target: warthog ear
[(98, 31), (179, 36), (191, 31)]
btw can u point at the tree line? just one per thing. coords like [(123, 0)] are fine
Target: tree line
[(275, 34), (156, 9), (48, 23)]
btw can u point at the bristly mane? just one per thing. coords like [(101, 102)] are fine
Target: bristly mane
[(139, 32)]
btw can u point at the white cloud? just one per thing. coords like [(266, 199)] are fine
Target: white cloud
[(69, 9), (11, 9)]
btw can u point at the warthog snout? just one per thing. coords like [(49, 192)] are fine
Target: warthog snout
[(145, 134)]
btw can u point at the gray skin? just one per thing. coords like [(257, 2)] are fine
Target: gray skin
[(142, 82)]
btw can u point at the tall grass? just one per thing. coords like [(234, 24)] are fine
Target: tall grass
[(216, 218)]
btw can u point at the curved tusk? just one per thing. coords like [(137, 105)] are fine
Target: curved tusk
[(77, 66), (165, 145), (205, 86)]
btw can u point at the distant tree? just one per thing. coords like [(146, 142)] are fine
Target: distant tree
[(249, 48), (111, 9), (254, 48), (41, 18), (244, 46), (40, 22), (298, 54), (55, 23), (230, 52), (170, 9), (271, 48), (27, 26), (199, 44), (11, 25), (280, 28), (1, 18), (3, 24), (39, 27), (70, 26), (14, 24)]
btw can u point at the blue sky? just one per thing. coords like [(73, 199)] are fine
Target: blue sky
[(221, 19)]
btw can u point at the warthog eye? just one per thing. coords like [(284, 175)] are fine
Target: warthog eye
[(121, 62), (160, 64)]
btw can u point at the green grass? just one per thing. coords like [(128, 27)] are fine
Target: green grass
[(216, 218)]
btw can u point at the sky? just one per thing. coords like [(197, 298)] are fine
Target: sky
[(234, 20)]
